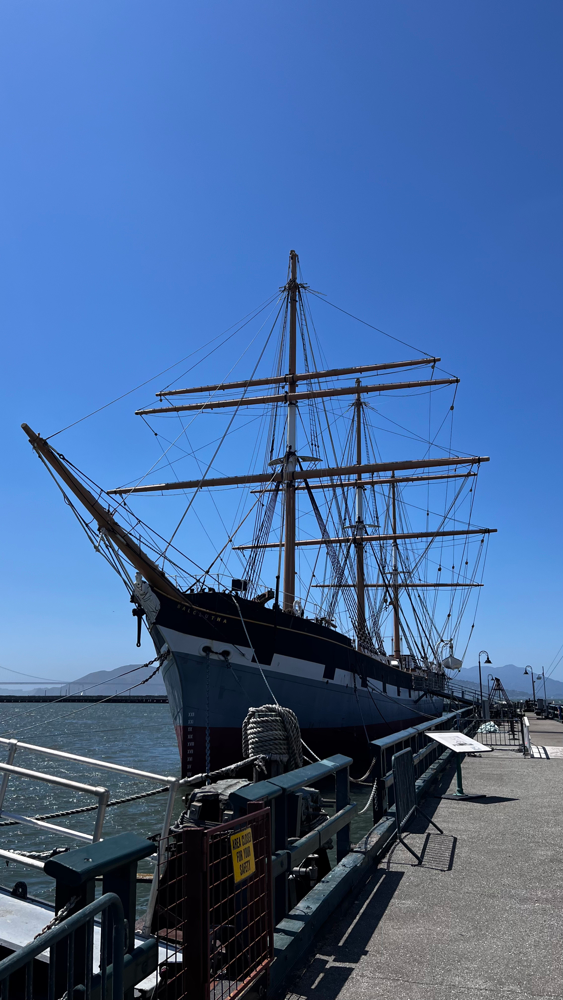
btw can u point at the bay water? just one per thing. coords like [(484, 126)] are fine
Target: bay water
[(135, 735)]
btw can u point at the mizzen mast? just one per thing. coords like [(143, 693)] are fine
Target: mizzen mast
[(290, 459)]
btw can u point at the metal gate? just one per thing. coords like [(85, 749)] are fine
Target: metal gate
[(502, 733), (214, 911)]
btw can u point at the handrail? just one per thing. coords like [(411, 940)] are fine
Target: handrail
[(99, 791), (382, 748), (276, 792), (103, 793), (48, 939), (271, 788), (386, 741), (21, 858), (102, 764)]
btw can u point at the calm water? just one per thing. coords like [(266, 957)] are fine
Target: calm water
[(140, 736)]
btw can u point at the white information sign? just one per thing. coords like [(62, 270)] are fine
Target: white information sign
[(459, 742)]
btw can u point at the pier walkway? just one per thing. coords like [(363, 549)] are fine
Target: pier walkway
[(480, 917)]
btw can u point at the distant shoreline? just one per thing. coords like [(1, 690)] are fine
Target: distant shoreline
[(138, 699)]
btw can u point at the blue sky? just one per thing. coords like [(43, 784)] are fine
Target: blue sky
[(158, 162)]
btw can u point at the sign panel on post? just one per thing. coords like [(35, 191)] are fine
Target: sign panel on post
[(242, 850), (459, 742)]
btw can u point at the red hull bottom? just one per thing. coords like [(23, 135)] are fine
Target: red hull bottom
[(225, 745)]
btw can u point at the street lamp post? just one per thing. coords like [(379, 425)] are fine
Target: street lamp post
[(544, 690), (490, 677), (487, 664), (528, 667)]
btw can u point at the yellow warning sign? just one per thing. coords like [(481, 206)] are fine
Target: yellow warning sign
[(242, 850)]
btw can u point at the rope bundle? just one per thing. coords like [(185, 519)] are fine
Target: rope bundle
[(273, 731)]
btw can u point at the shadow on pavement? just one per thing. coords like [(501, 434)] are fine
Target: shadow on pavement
[(435, 850), (490, 800), (327, 974)]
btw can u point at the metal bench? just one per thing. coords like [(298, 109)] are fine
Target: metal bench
[(405, 795)]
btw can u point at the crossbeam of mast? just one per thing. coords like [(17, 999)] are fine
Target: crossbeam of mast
[(294, 397), (329, 473), (382, 482), (391, 537), (300, 377), (385, 586)]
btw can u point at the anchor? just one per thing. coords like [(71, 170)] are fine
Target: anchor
[(138, 613)]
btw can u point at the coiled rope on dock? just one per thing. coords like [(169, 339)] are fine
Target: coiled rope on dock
[(273, 731)]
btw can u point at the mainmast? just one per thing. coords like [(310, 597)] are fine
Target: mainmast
[(290, 460), (360, 528), (395, 572)]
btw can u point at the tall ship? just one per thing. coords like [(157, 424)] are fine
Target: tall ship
[(340, 577)]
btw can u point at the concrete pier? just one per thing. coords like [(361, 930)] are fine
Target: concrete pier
[(480, 917)]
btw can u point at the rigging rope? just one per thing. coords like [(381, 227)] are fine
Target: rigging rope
[(161, 658), (229, 425), (252, 315)]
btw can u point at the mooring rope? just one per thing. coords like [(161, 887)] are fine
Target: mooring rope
[(273, 731)]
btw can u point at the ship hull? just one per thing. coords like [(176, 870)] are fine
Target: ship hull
[(221, 663), (209, 702)]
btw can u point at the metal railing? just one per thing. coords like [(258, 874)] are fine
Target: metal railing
[(103, 797), (102, 793), (502, 733), (425, 751), (72, 957), (280, 795), (462, 691)]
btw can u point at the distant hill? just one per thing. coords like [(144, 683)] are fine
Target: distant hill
[(110, 682), (105, 682), (517, 684)]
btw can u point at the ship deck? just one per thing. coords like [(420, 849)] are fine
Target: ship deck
[(480, 917)]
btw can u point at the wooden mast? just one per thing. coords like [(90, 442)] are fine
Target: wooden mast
[(395, 572), (360, 529), (290, 460)]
